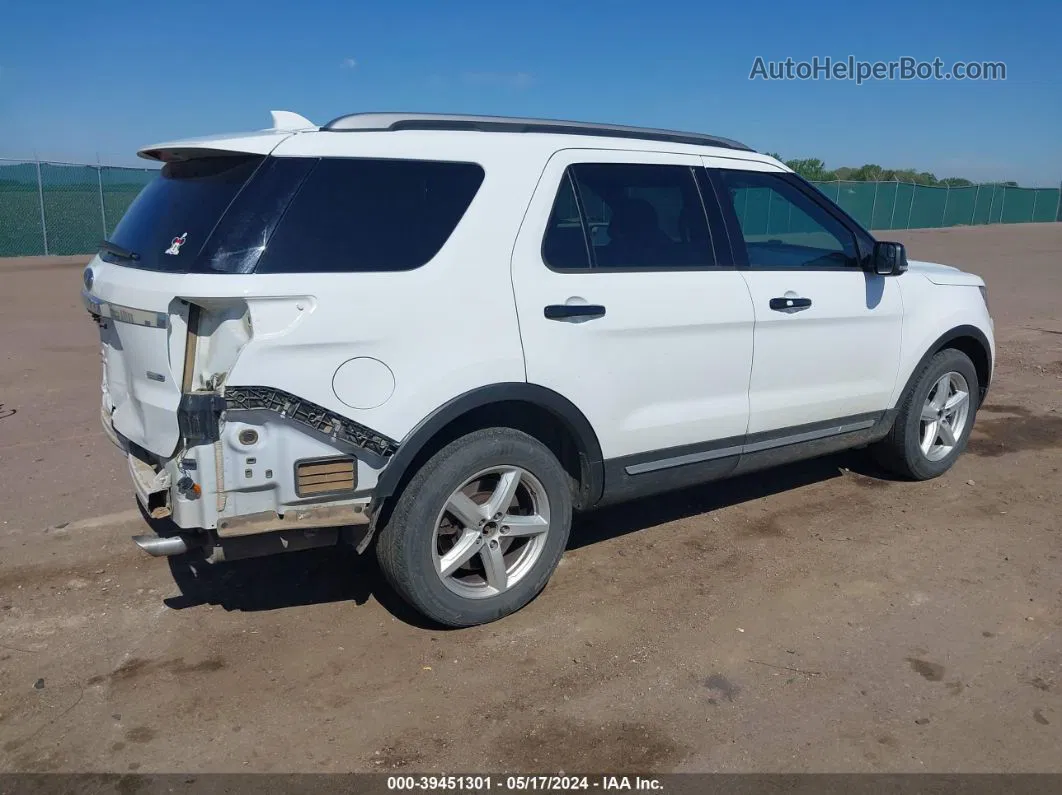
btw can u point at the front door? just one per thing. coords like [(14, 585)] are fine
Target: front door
[(827, 340)]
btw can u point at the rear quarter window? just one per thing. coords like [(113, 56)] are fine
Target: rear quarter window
[(365, 215)]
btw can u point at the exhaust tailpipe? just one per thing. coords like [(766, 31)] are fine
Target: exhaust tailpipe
[(165, 546)]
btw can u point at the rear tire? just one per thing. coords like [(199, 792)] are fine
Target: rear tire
[(479, 529), (932, 406)]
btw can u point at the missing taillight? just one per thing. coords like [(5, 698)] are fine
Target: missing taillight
[(190, 345)]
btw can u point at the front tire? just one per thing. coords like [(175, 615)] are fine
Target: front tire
[(480, 528), (935, 418)]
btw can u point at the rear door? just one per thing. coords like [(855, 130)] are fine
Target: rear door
[(827, 336), (625, 311)]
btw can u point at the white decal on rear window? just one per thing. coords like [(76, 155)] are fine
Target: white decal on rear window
[(176, 243)]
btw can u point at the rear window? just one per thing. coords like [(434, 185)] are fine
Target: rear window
[(295, 215), (169, 222), (371, 215)]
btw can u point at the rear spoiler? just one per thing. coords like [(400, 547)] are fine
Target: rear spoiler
[(261, 142)]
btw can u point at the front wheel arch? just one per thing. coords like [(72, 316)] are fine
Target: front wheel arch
[(900, 451), (968, 339)]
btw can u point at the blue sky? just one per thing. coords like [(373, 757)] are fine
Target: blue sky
[(77, 78)]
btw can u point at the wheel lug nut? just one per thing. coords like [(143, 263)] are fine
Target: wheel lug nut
[(493, 544), (505, 528)]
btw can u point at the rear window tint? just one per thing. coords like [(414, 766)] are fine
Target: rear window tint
[(564, 246), (371, 215), (171, 219), (633, 216), (244, 232)]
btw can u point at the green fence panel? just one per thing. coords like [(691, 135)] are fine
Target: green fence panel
[(72, 209), (999, 202), (927, 210), (982, 203), (959, 206), (21, 233), (752, 208), (995, 208), (1017, 205), (901, 205), (901, 211), (1046, 206), (80, 205), (884, 201), (779, 215), (857, 199)]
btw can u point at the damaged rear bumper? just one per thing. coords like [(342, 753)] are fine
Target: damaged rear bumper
[(257, 462)]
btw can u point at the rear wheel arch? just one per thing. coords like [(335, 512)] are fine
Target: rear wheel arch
[(540, 412)]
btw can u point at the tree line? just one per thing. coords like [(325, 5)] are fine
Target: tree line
[(814, 170)]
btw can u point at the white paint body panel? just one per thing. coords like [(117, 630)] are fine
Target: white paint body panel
[(144, 409), (681, 357), (669, 362), (945, 274), (835, 359), (931, 310), (261, 142)]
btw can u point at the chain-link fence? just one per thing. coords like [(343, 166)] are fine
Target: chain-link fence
[(902, 205), (67, 208), (62, 208)]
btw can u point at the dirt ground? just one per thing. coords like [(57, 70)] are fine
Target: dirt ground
[(814, 618)]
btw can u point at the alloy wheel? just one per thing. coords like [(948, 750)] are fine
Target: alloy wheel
[(944, 416), (491, 532)]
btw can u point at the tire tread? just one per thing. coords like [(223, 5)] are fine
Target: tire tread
[(402, 527), (893, 452)]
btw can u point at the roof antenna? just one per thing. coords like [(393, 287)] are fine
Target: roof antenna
[(286, 120)]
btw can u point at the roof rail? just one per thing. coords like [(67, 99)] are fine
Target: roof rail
[(365, 122)]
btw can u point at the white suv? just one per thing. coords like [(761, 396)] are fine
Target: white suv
[(448, 333)]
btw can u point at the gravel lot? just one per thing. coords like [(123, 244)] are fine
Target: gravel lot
[(814, 618)]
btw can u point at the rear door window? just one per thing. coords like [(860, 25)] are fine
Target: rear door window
[(634, 217), (174, 215), (359, 215), (564, 246)]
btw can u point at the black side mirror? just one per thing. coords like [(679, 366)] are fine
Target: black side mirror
[(889, 259)]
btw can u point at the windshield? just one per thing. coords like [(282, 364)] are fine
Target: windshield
[(168, 223)]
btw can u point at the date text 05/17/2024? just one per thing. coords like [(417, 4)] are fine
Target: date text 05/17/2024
[(522, 783)]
